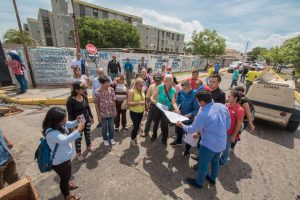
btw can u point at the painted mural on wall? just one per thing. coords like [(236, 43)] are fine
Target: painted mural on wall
[(51, 66)]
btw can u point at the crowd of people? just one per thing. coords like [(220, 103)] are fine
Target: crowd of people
[(213, 119)]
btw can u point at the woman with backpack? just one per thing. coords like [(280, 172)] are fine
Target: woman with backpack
[(55, 129), (77, 104)]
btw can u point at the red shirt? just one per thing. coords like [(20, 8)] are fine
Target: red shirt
[(15, 67), (236, 113), (193, 83)]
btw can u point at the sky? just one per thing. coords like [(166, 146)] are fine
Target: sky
[(264, 23)]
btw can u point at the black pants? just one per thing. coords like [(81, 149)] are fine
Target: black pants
[(149, 118), (159, 116), (64, 171), (120, 113), (243, 77), (233, 82), (136, 119), (87, 131)]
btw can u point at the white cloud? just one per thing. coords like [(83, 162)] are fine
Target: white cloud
[(154, 18), (273, 40)]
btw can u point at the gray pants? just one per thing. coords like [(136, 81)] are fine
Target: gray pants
[(128, 78)]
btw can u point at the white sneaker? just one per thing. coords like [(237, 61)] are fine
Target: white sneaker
[(106, 143), (112, 141)]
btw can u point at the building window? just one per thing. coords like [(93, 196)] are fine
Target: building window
[(95, 12), (105, 15), (163, 34), (173, 36), (171, 49), (82, 11), (146, 46), (177, 37), (162, 49), (177, 49), (147, 37), (60, 32), (147, 29)]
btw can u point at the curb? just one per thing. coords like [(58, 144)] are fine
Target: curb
[(297, 94), (59, 101)]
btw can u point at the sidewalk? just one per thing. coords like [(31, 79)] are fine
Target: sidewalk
[(55, 96)]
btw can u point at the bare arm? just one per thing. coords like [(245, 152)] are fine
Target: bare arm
[(249, 115), (154, 96), (175, 107), (8, 143), (237, 129)]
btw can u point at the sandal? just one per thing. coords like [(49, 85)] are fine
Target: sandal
[(73, 197), (73, 186)]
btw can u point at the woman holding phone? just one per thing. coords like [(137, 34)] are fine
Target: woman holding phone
[(55, 129), (78, 105)]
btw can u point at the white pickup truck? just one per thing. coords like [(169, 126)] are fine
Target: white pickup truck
[(274, 101)]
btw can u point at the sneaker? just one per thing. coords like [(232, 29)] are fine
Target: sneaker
[(212, 182), (117, 129), (193, 182), (125, 128), (106, 143), (112, 141), (133, 143), (79, 157), (91, 148), (194, 157), (175, 143), (221, 164), (144, 134), (195, 167)]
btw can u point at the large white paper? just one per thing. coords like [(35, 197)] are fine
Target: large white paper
[(189, 139), (162, 107), (172, 116)]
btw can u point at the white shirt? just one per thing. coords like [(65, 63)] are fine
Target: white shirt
[(77, 63), (83, 79)]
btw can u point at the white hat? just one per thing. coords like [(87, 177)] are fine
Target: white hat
[(14, 52)]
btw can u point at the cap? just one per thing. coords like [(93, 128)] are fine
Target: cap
[(157, 78), (79, 85), (114, 56), (14, 52), (169, 68)]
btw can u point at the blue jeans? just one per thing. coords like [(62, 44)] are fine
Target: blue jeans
[(205, 158), (22, 81), (113, 76), (224, 157), (108, 128)]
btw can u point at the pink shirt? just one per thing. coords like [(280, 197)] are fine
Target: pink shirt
[(105, 101)]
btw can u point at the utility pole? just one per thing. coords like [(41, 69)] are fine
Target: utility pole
[(75, 29), (24, 45)]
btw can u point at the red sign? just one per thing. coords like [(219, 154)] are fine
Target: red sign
[(91, 48)]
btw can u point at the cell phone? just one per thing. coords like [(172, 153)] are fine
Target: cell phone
[(82, 118)]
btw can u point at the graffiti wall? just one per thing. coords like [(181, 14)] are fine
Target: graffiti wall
[(51, 66)]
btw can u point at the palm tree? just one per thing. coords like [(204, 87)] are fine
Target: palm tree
[(13, 36)]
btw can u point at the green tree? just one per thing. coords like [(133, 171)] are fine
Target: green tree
[(13, 36), (291, 51), (108, 33), (256, 53), (275, 55), (207, 43)]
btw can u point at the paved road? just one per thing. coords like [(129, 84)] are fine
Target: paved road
[(265, 165)]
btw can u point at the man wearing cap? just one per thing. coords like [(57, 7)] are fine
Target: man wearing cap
[(113, 68), (142, 65)]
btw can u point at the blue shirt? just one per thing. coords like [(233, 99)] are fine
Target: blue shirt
[(128, 66), (188, 103), (213, 121), (217, 67), (4, 151), (97, 84), (65, 150)]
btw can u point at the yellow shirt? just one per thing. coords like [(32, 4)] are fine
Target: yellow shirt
[(136, 98), (251, 76), (210, 71)]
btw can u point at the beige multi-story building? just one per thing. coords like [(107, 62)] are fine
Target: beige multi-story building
[(157, 39), (34, 30), (56, 27)]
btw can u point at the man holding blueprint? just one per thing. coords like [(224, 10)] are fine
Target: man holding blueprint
[(213, 121), (188, 107)]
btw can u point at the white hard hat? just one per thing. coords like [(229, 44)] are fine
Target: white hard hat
[(14, 52)]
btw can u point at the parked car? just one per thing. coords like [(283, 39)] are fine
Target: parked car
[(274, 101), (233, 65), (258, 66)]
